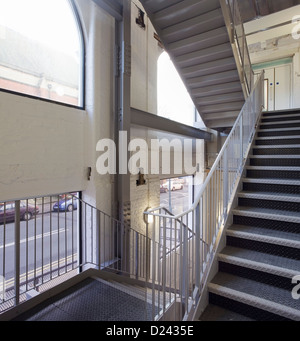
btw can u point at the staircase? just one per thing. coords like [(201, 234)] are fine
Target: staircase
[(195, 36), (262, 253)]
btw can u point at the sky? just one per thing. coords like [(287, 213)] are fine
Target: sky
[(50, 21)]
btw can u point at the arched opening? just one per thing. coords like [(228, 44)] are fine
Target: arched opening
[(41, 52)]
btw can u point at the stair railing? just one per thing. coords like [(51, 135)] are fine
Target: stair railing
[(235, 27), (196, 232)]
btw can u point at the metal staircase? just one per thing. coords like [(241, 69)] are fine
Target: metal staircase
[(196, 37), (263, 244)]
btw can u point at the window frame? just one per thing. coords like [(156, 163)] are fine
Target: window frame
[(82, 68)]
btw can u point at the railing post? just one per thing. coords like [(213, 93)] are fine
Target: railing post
[(184, 286), (137, 251), (153, 267), (225, 182), (241, 142), (17, 252), (197, 246)]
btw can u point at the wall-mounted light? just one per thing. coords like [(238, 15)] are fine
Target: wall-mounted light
[(148, 218)]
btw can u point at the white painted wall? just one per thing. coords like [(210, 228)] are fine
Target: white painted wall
[(42, 148), (46, 148), (144, 52), (99, 31)]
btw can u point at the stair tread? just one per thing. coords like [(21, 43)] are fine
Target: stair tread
[(267, 213), (278, 130), (279, 122), (277, 146), (270, 196), (285, 137), (264, 296), (274, 156), (281, 116), (279, 168), (266, 235), (273, 181), (281, 264)]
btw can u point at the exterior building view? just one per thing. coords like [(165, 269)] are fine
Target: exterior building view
[(150, 165)]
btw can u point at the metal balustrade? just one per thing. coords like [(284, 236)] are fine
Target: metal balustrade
[(239, 44), (196, 232), (45, 241)]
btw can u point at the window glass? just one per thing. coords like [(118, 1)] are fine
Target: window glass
[(41, 50), (174, 102)]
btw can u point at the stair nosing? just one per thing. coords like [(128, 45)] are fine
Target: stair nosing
[(259, 266), (280, 116), (278, 168), (272, 181), (278, 122), (285, 137), (264, 238), (277, 129), (255, 301), (269, 196), (277, 146), (271, 156), (265, 215)]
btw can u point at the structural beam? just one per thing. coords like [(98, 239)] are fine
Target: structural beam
[(114, 8), (144, 119)]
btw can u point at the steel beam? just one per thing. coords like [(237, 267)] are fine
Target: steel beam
[(144, 119), (114, 8)]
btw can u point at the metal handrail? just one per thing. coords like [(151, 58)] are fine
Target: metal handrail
[(214, 167), (207, 216), (235, 27)]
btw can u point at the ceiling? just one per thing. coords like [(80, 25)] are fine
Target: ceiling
[(255, 9)]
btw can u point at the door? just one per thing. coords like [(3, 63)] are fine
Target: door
[(282, 87), (278, 88)]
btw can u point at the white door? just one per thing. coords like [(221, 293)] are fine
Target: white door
[(278, 88), (283, 87)]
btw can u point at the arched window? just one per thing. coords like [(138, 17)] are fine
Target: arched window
[(41, 50)]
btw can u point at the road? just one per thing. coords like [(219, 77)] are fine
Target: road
[(47, 241), (181, 199)]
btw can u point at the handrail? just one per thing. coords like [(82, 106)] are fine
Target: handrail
[(235, 27), (208, 214), (214, 167)]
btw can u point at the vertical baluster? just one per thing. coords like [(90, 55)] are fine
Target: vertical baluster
[(17, 252)]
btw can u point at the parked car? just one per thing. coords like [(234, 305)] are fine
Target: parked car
[(7, 211), (175, 185), (163, 189), (69, 204)]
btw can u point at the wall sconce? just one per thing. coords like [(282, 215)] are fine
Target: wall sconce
[(148, 218)]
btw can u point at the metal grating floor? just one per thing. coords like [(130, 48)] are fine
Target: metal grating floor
[(90, 300)]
